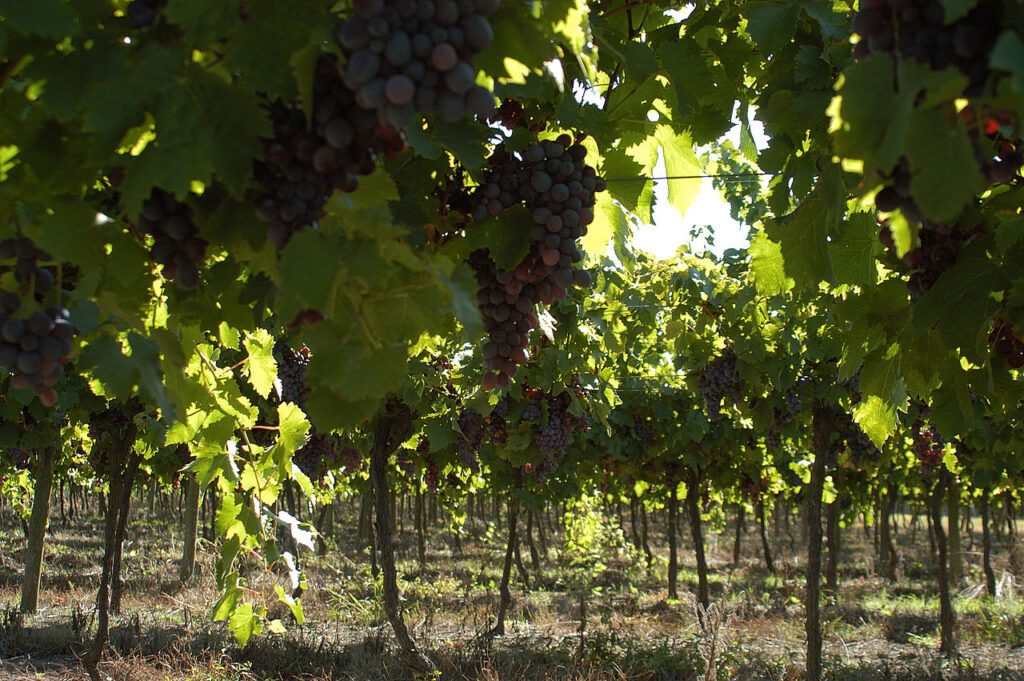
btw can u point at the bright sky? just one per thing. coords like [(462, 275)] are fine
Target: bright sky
[(709, 212)]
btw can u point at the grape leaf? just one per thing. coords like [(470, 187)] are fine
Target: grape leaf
[(244, 624), (46, 18), (680, 161), (933, 147), (204, 127), (771, 24), (261, 368), (768, 265), (957, 9), (1009, 232)]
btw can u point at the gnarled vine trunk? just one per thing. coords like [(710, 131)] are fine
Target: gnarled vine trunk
[(762, 523), (947, 618), (390, 430), (506, 572), (673, 564), (986, 546), (697, 534), (822, 427), (124, 464), (46, 461)]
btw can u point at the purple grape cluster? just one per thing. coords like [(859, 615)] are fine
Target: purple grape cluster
[(34, 349), (552, 180), (21, 458), (720, 379), (143, 13), (917, 29), (409, 56), (352, 460), (317, 457), (291, 371), (553, 437), (496, 422), (177, 245), (301, 167), (472, 430), (26, 266), (642, 429), (103, 425)]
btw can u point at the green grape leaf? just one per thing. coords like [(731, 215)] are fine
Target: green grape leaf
[(204, 23), (205, 127), (1008, 55), (852, 252), (275, 31), (1009, 232), (244, 623), (768, 265), (680, 161), (803, 235), (957, 9), (46, 18), (261, 368), (967, 288), (882, 395), (933, 147), (771, 24)]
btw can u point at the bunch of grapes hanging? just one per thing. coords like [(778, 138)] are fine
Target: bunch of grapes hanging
[(406, 57), (34, 343), (720, 379), (291, 374), (318, 456), (552, 180), (177, 246), (551, 435), (1007, 342), (302, 164), (469, 440)]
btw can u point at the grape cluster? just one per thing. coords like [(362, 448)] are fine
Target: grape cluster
[(407, 57), (433, 472), (642, 429), (720, 379), (291, 371), (556, 186), (176, 241), (102, 426), (553, 436), (26, 267), (917, 29), (753, 489), (143, 13), (939, 248), (352, 460), (301, 167), (496, 422), (1007, 343), (853, 437), (317, 457), (21, 458), (927, 448), (403, 459), (34, 349), (472, 430), (511, 114)]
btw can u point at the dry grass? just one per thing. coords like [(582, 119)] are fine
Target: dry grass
[(873, 630)]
